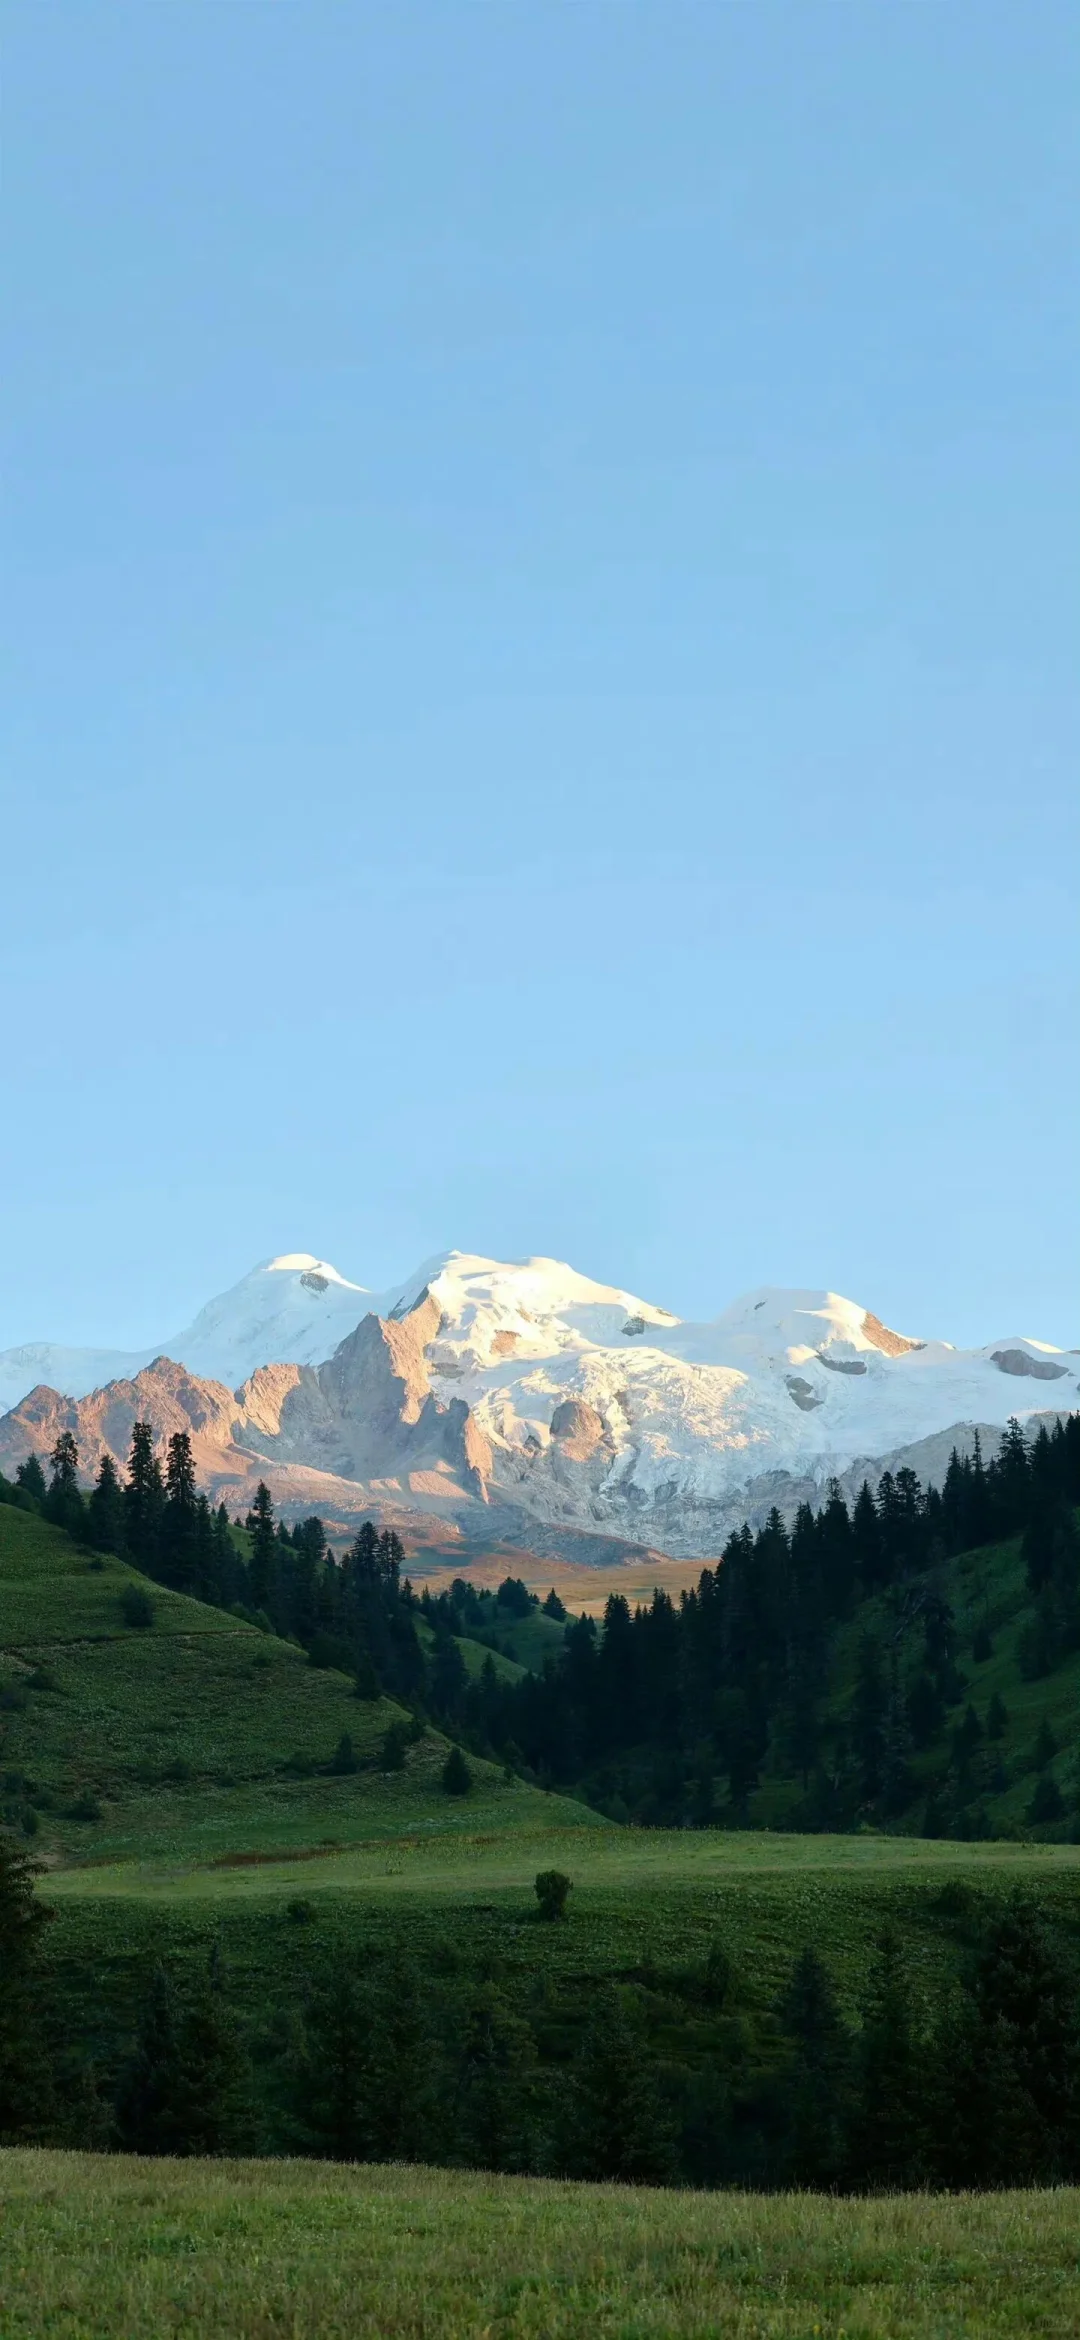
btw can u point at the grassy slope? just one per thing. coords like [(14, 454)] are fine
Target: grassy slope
[(97, 2246), (388, 1856), (184, 1732)]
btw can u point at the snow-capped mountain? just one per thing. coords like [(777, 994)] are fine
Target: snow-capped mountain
[(526, 1389), (296, 1308)]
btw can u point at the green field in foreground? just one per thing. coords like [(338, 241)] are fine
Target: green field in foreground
[(99, 2247)]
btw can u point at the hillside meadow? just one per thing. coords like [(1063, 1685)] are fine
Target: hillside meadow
[(98, 2246)]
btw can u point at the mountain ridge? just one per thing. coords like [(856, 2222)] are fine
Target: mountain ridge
[(511, 1399)]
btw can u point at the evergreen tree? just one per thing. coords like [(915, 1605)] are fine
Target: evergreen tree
[(817, 2082), (105, 1509), (997, 1716), (617, 2124), (343, 1760), (869, 1719), (867, 1545), (24, 2077), (184, 2089), (456, 1777), (889, 2127), (144, 1501), (333, 2079), (1017, 2082), (63, 1502), (448, 1681), (494, 2099), (366, 2079), (178, 1541), (30, 1479), (263, 1556)]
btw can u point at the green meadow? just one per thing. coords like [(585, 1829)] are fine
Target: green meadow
[(180, 1780), (101, 2246)]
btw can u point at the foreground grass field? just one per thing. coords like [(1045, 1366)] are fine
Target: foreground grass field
[(98, 2246)]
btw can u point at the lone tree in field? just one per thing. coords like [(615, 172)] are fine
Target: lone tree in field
[(551, 1892), (456, 1777), (23, 2077)]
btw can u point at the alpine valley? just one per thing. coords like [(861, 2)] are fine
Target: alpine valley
[(521, 1405)]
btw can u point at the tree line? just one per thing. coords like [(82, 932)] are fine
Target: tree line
[(671, 1714), (682, 2076)]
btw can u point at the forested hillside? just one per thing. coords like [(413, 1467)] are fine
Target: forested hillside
[(911, 1664)]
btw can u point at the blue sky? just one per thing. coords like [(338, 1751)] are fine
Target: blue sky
[(541, 705)]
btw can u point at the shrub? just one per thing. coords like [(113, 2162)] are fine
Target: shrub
[(300, 1911), (1047, 1802), (343, 1759), (456, 1776), (552, 1889), (85, 1807), (136, 1606), (328, 1649)]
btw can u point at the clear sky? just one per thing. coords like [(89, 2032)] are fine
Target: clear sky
[(540, 618)]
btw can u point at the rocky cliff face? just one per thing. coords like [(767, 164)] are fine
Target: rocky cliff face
[(367, 1420)]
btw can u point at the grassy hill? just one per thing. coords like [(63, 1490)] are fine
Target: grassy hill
[(193, 1733)]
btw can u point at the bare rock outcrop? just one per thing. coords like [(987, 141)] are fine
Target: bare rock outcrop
[(1027, 1368), (578, 1428)]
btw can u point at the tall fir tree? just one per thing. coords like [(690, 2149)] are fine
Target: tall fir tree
[(144, 1501), (25, 2088)]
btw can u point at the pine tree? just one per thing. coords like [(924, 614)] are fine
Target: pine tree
[(869, 1717), (889, 2127), (24, 2076), (997, 1717), (817, 2089), (617, 2123), (866, 1541), (105, 1509), (179, 1557), (1017, 2087), (263, 1558), (63, 1502), (495, 2085), (30, 1479), (144, 1501), (457, 1778), (184, 2087), (333, 2079)]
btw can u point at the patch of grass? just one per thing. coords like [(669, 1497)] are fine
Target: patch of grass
[(97, 2246)]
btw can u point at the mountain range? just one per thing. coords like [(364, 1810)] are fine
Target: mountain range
[(521, 1403)]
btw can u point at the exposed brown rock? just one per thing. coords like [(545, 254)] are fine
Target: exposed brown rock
[(891, 1344), (578, 1428)]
